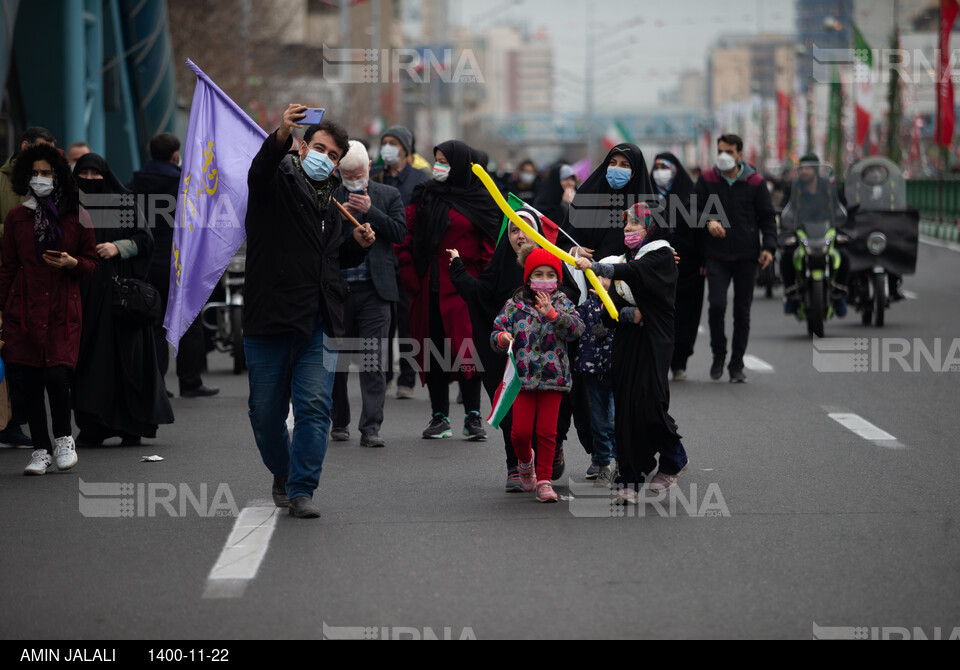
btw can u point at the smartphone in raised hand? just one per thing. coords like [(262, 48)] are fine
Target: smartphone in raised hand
[(313, 116)]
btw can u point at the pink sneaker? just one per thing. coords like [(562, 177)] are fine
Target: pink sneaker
[(626, 495), (662, 483), (545, 492), (528, 476)]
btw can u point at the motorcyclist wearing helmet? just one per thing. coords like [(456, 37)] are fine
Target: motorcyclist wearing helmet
[(812, 201)]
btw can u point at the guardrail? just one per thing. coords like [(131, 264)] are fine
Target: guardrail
[(924, 194)]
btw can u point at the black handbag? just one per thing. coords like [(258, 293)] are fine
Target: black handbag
[(137, 301)]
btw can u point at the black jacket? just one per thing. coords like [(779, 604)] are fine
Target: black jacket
[(294, 251), (158, 178), (747, 208), (389, 223)]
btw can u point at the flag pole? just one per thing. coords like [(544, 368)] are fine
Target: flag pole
[(938, 128)]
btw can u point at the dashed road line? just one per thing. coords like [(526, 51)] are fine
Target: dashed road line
[(244, 551), (756, 364), (863, 428)]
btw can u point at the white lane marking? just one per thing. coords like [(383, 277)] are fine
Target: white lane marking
[(943, 244), (909, 295), (244, 551), (756, 364), (860, 426)]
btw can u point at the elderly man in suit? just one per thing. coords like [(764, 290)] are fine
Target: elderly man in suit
[(373, 287)]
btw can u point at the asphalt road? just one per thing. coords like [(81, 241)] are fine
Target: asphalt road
[(794, 522)]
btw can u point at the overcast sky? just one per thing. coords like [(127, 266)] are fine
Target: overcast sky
[(674, 36)]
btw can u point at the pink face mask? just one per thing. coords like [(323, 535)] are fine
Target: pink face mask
[(634, 240), (545, 286)]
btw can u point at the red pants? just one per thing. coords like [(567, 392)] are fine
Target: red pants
[(540, 409)]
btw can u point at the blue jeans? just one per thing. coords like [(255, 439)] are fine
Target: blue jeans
[(281, 368), (600, 393)]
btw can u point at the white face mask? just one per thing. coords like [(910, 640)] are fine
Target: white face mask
[(390, 154), (42, 186), (355, 186), (662, 177), (726, 162)]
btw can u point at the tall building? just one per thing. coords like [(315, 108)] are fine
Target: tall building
[(518, 72), (743, 66), (824, 24)]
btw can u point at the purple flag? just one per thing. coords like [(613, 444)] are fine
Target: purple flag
[(212, 200)]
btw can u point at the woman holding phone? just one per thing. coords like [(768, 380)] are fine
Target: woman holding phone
[(118, 391), (46, 251)]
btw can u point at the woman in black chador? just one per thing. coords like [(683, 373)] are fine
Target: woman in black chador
[(118, 391)]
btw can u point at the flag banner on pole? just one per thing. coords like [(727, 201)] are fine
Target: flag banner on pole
[(549, 229), (507, 391), (946, 117), (616, 134), (211, 201), (863, 78)]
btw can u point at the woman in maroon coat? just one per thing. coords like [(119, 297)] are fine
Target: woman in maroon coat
[(452, 211), (46, 251)]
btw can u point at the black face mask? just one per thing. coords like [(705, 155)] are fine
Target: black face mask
[(90, 185)]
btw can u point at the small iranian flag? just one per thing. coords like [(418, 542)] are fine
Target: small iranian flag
[(863, 70), (506, 392), (548, 228), (616, 134)]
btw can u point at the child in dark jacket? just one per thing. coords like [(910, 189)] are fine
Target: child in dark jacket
[(539, 320), (593, 362)]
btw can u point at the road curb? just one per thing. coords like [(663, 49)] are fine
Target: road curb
[(940, 231)]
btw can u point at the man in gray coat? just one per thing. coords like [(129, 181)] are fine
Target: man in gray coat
[(373, 287)]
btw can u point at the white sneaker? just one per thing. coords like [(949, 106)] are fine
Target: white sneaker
[(65, 452), (405, 392), (39, 462)]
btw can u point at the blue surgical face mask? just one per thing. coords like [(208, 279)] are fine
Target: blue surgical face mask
[(618, 177), (318, 166)]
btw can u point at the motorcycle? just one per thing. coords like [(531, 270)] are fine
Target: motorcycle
[(809, 226), (884, 236), (225, 318)]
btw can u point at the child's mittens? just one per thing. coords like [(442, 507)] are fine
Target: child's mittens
[(599, 331)]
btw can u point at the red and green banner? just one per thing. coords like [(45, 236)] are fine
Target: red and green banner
[(863, 76), (945, 111)]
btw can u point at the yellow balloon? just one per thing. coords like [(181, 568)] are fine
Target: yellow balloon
[(542, 241)]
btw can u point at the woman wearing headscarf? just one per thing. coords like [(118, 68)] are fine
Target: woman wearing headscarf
[(118, 390), (674, 190), (451, 211), (46, 252), (619, 182), (556, 193), (485, 296)]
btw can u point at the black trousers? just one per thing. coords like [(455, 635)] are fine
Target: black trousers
[(400, 327), (437, 374), (18, 397), (689, 307), (192, 353), (365, 315), (743, 274), (55, 381)]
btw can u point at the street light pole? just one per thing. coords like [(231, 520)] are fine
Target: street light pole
[(589, 89)]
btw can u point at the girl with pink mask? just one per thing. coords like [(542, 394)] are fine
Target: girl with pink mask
[(539, 320)]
